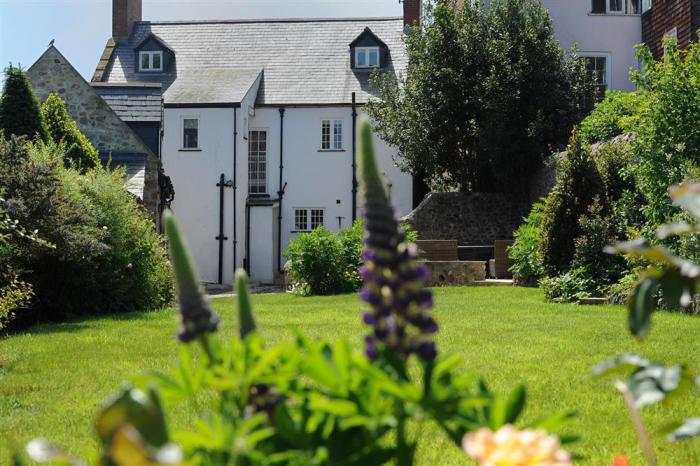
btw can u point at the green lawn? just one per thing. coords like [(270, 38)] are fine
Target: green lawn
[(53, 377)]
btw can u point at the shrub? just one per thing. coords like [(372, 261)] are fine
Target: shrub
[(79, 151), (525, 251), (612, 116), (578, 183), (107, 256), (570, 286), (20, 114)]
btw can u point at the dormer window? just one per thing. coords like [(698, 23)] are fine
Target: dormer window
[(150, 61), (366, 57)]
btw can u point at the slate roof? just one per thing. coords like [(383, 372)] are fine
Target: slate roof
[(211, 86), (305, 62), (134, 165), (140, 102)]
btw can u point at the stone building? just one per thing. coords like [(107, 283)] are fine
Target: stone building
[(118, 143)]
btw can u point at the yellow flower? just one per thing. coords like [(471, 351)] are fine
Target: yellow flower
[(512, 447)]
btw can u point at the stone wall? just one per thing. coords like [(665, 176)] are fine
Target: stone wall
[(52, 72), (469, 218)]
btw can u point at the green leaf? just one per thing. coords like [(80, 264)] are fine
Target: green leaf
[(690, 428), (554, 422), (675, 229), (246, 322), (621, 364), (641, 305), (687, 196), (516, 404)]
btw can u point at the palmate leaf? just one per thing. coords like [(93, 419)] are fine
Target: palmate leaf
[(690, 428), (650, 382)]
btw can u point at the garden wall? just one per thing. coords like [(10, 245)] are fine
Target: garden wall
[(469, 218)]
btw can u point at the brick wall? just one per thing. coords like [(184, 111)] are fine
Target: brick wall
[(124, 14), (411, 12), (666, 15)]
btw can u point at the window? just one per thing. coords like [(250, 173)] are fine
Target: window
[(151, 61), (257, 162), (597, 65), (366, 57), (302, 217), (616, 7), (331, 134), (190, 133)]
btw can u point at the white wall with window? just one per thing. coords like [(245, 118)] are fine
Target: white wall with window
[(613, 33), (332, 134), (308, 219), (599, 65), (151, 61), (190, 132)]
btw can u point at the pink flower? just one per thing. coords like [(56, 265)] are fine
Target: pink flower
[(512, 447)]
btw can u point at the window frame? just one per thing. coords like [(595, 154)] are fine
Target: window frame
[(608, 64), (625, 8), (267, 145), (183, 147), (308, 219), (333, 135), (150, 54), (367, 50), (670, 34)]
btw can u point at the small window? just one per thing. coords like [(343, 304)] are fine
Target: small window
[(308, 219), (670, 36), (367, 57), (616, 7), (331, 134), (151, 61), (257, 162), (597, 65), (190, 133)]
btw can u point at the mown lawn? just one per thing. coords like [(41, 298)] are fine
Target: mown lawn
[(53, 377)]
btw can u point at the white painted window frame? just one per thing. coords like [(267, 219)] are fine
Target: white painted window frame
[(150, 54), (182, 133), (309, 227), (608, 11), (367, 51), (267, 165), (331, 135), (608, 64)]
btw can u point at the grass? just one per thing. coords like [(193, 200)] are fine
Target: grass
[(53, 377)]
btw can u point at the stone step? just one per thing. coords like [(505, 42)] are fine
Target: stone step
[(495, 282), (593, 301)]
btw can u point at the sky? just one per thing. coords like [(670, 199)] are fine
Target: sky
[(81, 28)]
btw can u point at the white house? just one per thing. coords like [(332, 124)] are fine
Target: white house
[(258, 126), (259, 116)]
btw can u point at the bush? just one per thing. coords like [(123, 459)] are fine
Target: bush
[(79, 151), (323, 263), (525, 251), (578, 183), (107, 255), (612, 116), (19, 107), (570, 286)]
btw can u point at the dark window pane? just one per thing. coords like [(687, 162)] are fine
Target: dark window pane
[(598, 6)]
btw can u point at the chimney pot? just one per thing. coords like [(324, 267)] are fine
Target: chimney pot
[(124, 14)]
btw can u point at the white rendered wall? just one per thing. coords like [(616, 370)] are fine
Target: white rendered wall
[(262, 246), (612, 35), (194, 175)]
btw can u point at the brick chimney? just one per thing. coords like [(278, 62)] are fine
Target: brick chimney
[(411, 12), (124, 14)]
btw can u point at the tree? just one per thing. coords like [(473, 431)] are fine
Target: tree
[(578, 186), (79, 151), (19, 107), (486, 96)]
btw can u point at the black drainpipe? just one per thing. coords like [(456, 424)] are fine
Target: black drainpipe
[(246, 262), (354, 161), (235, 187), (280, 194)]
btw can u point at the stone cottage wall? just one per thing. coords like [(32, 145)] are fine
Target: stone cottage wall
[(52, 72), (469, 218)]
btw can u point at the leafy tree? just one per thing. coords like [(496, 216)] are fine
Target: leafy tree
[(612, 116), (487, 94), (578, 184), (19, 107), (79, 151)]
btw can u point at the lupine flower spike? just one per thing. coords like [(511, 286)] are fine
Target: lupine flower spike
[(393, 280), (195, 312)]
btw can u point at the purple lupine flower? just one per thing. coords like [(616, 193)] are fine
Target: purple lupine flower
[(393, 280)]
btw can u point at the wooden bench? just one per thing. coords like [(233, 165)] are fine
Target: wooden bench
[(438, 250)]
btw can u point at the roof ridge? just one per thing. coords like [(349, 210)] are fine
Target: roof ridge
[(274, 20)]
